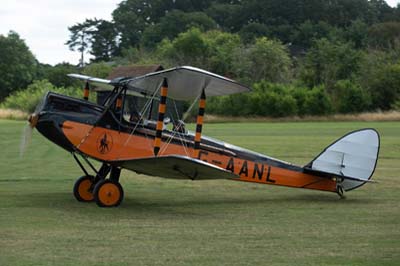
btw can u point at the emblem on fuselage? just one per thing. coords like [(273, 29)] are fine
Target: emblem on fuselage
[(104, 143)]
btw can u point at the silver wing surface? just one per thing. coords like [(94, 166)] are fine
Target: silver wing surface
[(97, 82), (186, 83), (176, 167)]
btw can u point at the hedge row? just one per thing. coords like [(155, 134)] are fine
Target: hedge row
[(279, 100)]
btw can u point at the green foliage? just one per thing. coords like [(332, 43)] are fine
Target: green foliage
[(349, 97), (357, 33), (148, 22), (265, 59), (57, 75), (27, 100), (104, 41), (189, 48), (385, 86), (80, 38), (343, 54), (99, 70), (250, 32), (317, 102), (384, 35), (223, 46), (172, 24), (229, 16), (329, 61), (17, 64), (273, 100), (97, 36), (308, 32)]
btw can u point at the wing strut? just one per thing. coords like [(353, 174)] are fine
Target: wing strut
[(161, 112), (86, 91), (199, 124)]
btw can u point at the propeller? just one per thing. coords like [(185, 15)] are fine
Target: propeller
[(26, 138), (27, 132)]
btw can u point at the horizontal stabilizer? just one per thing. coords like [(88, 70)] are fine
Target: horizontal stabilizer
[(353, 158), (330, 175), (176, 167)]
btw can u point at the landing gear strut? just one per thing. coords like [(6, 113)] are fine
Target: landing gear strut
[(105, 192), (340, 191)]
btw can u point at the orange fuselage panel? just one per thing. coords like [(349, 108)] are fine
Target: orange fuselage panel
[(111, 145)]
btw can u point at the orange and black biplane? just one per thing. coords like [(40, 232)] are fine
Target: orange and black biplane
[(123, 134)]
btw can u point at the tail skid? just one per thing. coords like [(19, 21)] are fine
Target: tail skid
[(351, 159)]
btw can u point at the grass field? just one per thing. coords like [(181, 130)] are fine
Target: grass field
[(168, 222)]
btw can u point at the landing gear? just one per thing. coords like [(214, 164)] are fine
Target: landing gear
[(82, 188), (340, 191), (105, 192), (108, 193)]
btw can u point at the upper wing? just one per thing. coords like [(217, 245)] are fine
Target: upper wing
[(176, 167), (186, 83), (101, 83)]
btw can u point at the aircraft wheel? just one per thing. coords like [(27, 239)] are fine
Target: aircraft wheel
[(82, 189), (108, 193)]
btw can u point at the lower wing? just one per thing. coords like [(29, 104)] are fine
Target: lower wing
[(176, 167)]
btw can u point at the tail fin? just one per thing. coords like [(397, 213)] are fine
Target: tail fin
[(352, 157)]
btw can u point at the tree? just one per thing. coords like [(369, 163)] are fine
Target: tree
[(132, 17), (384, 35), (27, 99), (252, 31), (222, 52), (99, 70), (357, 33), (385, 86), (189, 48), (307, 32), (57, 75), (264, 60), (80, 38), (349, 97), (174, 23), (17, 64), (329, 61), (95, 35), (104, 40), (229, 16)]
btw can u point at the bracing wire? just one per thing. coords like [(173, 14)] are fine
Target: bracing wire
[(143, 111), (184, 116)]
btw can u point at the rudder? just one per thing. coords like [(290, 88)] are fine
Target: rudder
[(353, 157)]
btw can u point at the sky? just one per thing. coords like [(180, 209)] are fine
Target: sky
[(43, 24)]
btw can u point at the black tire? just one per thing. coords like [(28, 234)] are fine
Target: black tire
[(82, 189), (108, 193)]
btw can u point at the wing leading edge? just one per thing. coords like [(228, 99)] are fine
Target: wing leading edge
[(176, 167)]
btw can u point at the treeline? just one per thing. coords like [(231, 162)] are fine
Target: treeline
[(301, 57)]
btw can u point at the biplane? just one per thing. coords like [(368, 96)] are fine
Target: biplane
[(144, 139)]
